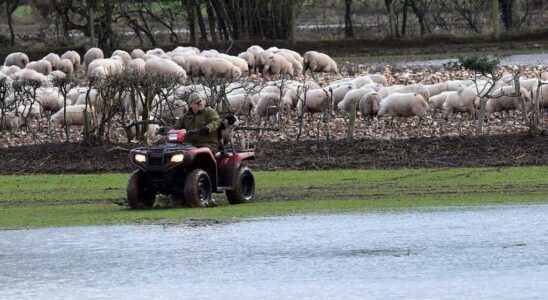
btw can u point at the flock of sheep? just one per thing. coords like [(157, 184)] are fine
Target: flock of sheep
[(248, 94)]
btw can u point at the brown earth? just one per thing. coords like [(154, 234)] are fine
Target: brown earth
[(432, 152)]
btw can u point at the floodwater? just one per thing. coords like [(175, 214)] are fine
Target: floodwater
[(527, 60), (450, 253)]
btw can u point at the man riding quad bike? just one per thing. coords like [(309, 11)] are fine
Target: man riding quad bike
[(189, 173)]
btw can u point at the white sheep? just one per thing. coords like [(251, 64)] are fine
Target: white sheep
[(457, 85), (318, 62), (56, 75), (74, 58), (503, 100), (180, 60), (74, 116), (165, 67), (41, 66), (185, 51), (256, 51), (74, 93), (368, 104), (126, 57), (66, 66), (136, 65), (544, 76), (29, 74), (193, 65), (314, 101), (27, 110), (465, 100), (107, 66), (403, 105), (10, 121), (9, 71), (412, 88), (91, 55), (137, 53), (542, 94), (268, 104), (437, 101), (250, 60), (352, 98), (241, 104), (437, 88), (50, 98), (276, 64), (219, 67), (379, 79), (53, 59), (236, 61), (156, 52), (19, 59)]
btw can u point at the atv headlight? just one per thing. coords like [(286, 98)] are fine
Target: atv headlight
[(140, 158), (172, 137), (177, 158)]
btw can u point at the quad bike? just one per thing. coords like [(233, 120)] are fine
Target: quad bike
[(188, 174)]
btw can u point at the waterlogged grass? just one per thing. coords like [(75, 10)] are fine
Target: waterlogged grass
[(67, 200)]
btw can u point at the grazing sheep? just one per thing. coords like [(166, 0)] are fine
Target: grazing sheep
[(74, 58), (50, 99), (502, 100), (165, 67), (180, 60), (256, 51), (9, 71), (436, 89), (368, 105), (412, 88), (219, 67), (126, 57), (94, 100), (267, 104), (53, 59), (403, 105), (241, 104), (379, 79), (29, 111), (185, 51), (295, 63), (41, 66), (457, 85), (103, 67), (544, 76), (249, 59), (66, 66), (276, 64), (318, 62), (74, 93), (236, 61), (542, 95), (19, 59), (56, 75), (9, 121), (193, 65), (91, 55), (136, 65), (314, 101), (352, 98), (528, 83), (156, 52), (339, 93), (74, 116), (437, 101), (137, 53), (29, 74), (466, 100), (360, 81)]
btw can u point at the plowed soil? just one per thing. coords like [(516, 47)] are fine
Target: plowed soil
[(433, 152)]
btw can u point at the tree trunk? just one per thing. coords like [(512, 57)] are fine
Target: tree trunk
[(420, 13), (203, 31), (211, 21), (91, 25), (495, 18), (221, 18), (293, 22), (507, 7), (391, 18), (404, 18), (348, 27), (10, 8)]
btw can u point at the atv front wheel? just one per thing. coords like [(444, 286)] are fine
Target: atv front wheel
[(198, 189), (244, 187), (140, 194)]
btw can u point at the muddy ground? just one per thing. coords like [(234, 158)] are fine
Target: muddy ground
[(434, 152)]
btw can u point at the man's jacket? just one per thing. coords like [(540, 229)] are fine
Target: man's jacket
[(207, 117)]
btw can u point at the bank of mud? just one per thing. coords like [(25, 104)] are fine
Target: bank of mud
[(433, 152)]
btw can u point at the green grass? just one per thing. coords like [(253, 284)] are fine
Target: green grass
[(69, 200)]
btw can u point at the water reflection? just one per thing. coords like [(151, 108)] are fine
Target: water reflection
[(487, 252)]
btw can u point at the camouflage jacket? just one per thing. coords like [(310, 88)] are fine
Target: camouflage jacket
[(208, 117)]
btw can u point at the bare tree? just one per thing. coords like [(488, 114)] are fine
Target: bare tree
[(9, 7)]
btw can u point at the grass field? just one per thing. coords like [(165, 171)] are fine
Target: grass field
[(69, 200)]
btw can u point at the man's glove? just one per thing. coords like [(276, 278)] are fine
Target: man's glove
[(190, 132), (163, 130), (203, 130)]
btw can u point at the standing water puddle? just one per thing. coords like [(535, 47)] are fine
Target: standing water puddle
[(485, 252)]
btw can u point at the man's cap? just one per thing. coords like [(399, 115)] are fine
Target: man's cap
[(194, 97)]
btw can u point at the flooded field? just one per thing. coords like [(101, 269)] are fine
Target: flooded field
[(470, 253)]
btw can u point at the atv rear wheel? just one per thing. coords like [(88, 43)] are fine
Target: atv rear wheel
[(244, 187), (198, 189), (140, 194)]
